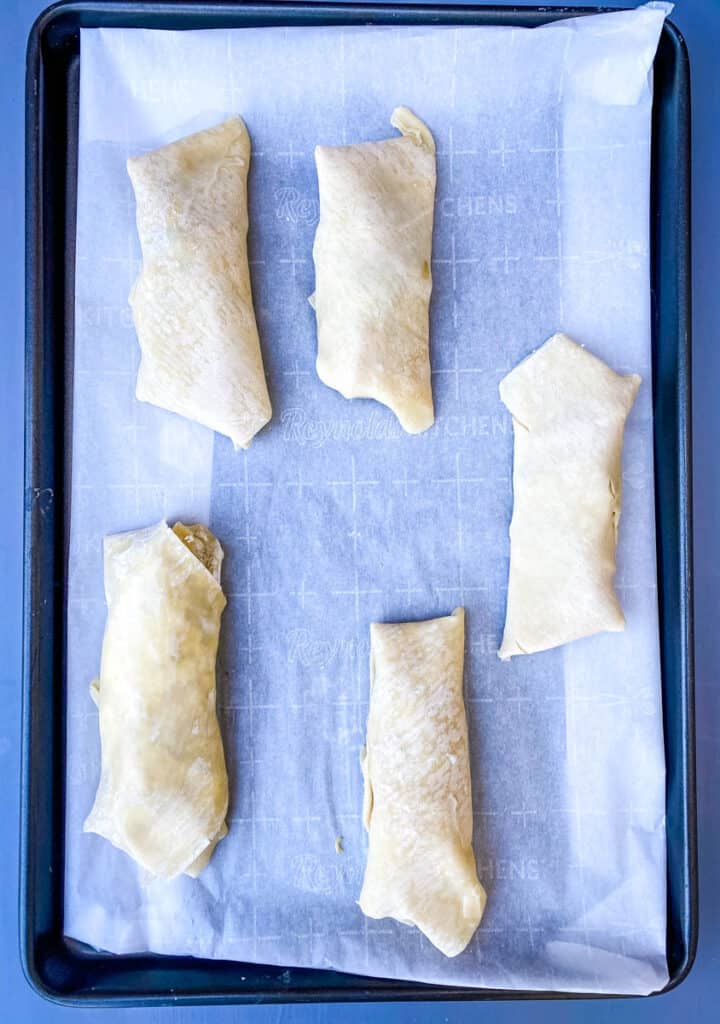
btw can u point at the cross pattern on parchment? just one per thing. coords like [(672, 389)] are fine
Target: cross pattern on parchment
[(404, 482)]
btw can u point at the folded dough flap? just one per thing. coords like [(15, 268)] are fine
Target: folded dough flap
[(373, 276), (420, 867), (562, 379), (410, 125), (569, 410), (201, 862), (163, 792), (192, 302), (195, 156), (133, 552)]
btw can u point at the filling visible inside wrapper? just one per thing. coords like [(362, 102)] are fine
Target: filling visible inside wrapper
[(203, 544)]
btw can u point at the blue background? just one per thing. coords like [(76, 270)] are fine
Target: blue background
[(696, 998)]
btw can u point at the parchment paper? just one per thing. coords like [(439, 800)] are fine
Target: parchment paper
[(335, 518)]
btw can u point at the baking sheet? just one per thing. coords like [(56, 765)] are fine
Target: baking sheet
[(335, 518)]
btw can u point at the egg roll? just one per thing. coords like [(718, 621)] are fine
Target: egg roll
[(418, 802), (192, 302), (373, 274), (569, 411), (163, 791)]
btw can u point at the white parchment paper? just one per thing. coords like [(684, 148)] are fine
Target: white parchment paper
[(335, 518)]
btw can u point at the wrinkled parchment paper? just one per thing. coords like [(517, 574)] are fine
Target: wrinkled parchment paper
[(335, 518)]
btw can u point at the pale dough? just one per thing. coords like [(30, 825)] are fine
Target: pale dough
[(163, 791), (569, 411), (418, 803), (373, 276), (192, 304)]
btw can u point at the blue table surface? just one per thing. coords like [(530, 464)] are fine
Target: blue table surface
[(699, 20)]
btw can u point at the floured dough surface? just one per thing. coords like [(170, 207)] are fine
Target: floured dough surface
[(373, 279), (192, 303), (418, 802), (569, 411), (163, 791)]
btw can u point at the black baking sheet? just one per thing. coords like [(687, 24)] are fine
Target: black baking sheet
[(63, 968)]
